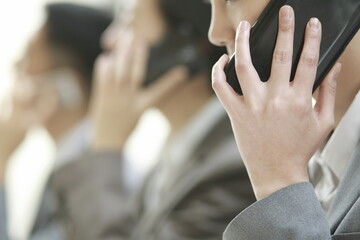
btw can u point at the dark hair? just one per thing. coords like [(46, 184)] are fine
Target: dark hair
[(76, 30), (194, 15)]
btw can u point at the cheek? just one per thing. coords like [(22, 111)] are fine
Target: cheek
[(37, 63), (38, 66), (246, 10)]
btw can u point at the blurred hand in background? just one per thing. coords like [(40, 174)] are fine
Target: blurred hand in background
[(119, 98), (25, 106)]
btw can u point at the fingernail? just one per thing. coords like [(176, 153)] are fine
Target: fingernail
[(286, 13), (314, 24), (244, 26)]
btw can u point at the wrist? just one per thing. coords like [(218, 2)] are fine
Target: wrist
[(269, 183)]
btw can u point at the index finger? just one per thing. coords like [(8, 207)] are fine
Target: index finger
[(246, 73)]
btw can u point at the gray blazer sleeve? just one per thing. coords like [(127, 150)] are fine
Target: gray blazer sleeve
[(3, 222), (290, 213), (96, 201)]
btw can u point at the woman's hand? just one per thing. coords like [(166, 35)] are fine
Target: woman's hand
[(276, 127), (119, 99), (25, 107)]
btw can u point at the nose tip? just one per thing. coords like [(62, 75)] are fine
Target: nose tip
[(220, 38), (220, 32), (215, 40)]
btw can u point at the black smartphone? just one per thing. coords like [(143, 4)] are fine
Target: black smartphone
[(178, 48), (340, 22)]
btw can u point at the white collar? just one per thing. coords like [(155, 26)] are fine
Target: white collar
[(75, 142), (342, 143)]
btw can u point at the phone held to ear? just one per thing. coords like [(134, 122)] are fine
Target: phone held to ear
[(340, 22), (66, 85), (68, 88), (178, 48)]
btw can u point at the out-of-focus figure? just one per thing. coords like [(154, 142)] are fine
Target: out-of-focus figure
[(200, 181), (53, 89)]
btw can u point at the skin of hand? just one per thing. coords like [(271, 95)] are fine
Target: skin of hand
[(118, 99), (275, 125), (25, 107)]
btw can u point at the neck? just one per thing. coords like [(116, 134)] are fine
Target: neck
[(186, 103), (63, 122)]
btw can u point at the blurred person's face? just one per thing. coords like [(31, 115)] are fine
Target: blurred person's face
[(148, 24), (37, 58), (41, 67)]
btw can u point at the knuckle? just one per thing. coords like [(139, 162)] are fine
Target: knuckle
[(332, 88), (215, 84), (215, 68), (282, 56), (313, 34), (301, 106), (241, 38), (310, 59), (255, 108), (276, 104), (242, 65), (287, 26)]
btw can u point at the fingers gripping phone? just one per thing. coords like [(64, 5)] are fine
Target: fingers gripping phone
[(340, 22)]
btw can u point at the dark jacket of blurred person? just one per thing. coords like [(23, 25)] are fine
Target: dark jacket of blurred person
[(53, 89), (200, 182)]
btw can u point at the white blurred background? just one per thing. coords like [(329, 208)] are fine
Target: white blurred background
[(31, 164)]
